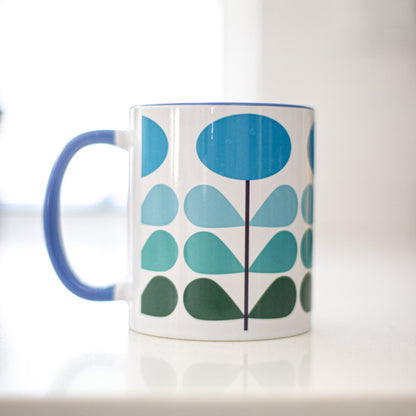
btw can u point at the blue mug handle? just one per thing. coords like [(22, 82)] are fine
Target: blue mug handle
[(51, 216)]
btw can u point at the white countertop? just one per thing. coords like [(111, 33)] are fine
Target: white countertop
[(61, 354)]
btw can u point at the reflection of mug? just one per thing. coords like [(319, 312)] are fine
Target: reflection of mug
[(157, 365), (220, 224), (192, 366)]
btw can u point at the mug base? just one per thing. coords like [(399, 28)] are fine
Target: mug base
[(217, 338)]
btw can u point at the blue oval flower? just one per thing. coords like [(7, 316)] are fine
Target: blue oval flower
[(244, 146)]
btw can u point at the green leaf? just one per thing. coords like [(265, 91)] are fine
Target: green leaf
[(205, 253), (160, 297), (277, 301), (205, 299), (306, 292)]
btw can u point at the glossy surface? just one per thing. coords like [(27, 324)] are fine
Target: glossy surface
[(61, 352), (218, 217)]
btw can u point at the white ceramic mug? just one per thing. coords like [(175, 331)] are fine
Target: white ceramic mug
[(220, 220)]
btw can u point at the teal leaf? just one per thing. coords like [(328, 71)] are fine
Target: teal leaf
[(307, 204), (154, 146), (311, 146), (306, 248), (205, 253), (277, 301), (278, 256), (205, 299), (159, 298), (160, 206), (160, 252), (205, 206), (279, 209), (306, 292)]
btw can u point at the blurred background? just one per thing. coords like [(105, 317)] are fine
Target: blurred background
[(73, 66), (67, 67)]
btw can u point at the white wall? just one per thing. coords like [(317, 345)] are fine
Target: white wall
[(354, 61), (67, 67)]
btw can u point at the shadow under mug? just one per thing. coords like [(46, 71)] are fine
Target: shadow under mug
[(220, 220)]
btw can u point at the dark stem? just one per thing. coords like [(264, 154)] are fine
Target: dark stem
[(246, 254)]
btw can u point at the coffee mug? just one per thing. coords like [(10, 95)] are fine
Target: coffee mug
[(220, 220)]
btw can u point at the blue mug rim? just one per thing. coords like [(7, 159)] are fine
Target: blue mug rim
[(229, 103)]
